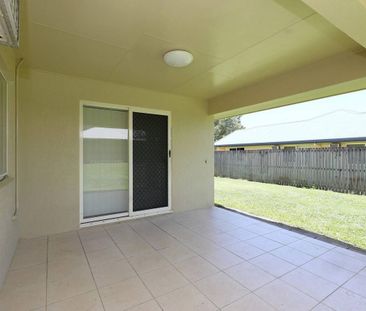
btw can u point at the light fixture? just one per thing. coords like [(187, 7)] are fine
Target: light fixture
[(178, 58)]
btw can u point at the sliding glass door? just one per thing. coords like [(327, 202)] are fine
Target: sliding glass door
[(105, 162), (125, 162)]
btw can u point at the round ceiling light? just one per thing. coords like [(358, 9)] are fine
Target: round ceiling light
[(178, 58)]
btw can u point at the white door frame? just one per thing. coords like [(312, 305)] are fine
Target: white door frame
[(130, 214)]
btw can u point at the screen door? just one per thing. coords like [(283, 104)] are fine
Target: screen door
[(105, 162), (150, 161)]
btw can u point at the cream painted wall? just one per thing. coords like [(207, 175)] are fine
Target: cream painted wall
[(49, 147), (8, 226)]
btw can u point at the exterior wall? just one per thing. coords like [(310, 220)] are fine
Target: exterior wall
[(298, 146), (49, 147), (8, 225)]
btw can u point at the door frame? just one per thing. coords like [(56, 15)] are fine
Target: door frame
[(130, 214)]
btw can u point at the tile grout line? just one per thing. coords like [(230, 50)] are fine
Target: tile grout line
[(90, 269), (179, 272), (133, 268), (219, 271), (265, 252)]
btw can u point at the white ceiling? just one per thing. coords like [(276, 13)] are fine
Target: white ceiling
[(234, 42)]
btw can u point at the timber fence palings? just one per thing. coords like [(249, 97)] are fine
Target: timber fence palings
[(337, 169)]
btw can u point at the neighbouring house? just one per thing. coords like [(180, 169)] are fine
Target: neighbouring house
[(334, 130)]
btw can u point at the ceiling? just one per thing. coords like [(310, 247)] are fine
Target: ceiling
[(234, 42)]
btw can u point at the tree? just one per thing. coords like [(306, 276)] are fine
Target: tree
[(226, 126)]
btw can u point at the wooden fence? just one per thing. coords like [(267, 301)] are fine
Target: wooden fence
[(337, 169)]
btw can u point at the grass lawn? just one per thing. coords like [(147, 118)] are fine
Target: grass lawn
[(337, 215)]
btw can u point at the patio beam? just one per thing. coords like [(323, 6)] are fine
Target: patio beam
[(338, 74)]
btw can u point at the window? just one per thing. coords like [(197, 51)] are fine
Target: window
[(3, 128)]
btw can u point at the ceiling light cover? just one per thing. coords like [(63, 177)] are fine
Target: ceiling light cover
[(178, 58)]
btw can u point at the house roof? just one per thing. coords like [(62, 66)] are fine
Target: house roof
[(332, 127)]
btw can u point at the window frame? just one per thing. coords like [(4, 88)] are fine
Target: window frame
[(5, 174)]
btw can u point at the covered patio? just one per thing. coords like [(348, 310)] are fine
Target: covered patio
[(207, 259), (107, 157)]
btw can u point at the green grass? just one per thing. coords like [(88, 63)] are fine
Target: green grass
[(336, 215)]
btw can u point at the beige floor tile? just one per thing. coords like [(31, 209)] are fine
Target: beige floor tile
[(223, 239), (91, 245), (244, 250), (344, 261), (28, 257), (24, 289), (319, 242), (148, 261), (357, 285), (76, 256), (264, 243), (309, 248), (322, 307), (124, 295), (285, 297), (343, 299), (177, 253), (262, 228), (104, 256), (351, 253), (24, 277), (134, 248), (221, 289), (292, 255), (74, 282), (249, 303), (68, 243), (222, 258), (328, 271), (58, 269), (273, 264), (112, 272), (94, 232), (249, 275), (310, 284), (63, 236), (213, 233), (151, 305), (85, 302), (23, 299), (281, 236), (186, 299), (163, 280), (35, 243), (196, 268), (242, 234)]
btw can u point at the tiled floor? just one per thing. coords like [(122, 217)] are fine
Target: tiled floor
[(210, 259)]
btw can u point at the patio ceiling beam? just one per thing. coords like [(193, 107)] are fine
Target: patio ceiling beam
[(337, 74), (348, 16)]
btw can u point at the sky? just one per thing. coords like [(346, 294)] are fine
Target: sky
[(353, 102)]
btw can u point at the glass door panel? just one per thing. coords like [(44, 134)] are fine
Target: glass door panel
[(105, 162)]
